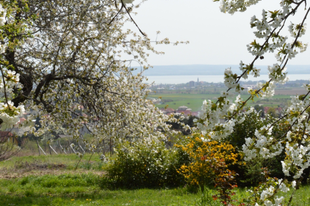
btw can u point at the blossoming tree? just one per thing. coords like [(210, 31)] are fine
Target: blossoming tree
[(71, 68), (269, 36), (9, 82)]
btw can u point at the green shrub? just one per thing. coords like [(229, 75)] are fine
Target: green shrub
[(253, 172), (144, 165)]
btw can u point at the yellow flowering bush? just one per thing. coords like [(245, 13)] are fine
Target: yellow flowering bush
[(209, 161)]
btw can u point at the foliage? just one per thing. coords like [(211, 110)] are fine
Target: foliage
[(145, 165), (9, 79), (182, 121), (68, 68), (287, 137), (209, 163), (247, 124), (13, 31)]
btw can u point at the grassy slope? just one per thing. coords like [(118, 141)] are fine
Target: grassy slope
[(38, 180), (84, 189), (64, 186)]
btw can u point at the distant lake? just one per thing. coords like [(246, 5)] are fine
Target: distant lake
[(179, 79)]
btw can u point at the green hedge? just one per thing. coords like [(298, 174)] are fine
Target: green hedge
[(145, 165)]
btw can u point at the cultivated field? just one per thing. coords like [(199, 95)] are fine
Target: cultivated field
[(194, 101)]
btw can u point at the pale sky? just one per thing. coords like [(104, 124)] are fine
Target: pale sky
[(215, 37)]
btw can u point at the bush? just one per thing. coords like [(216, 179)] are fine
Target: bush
[(144, 165), (209, 162), (254, 171)]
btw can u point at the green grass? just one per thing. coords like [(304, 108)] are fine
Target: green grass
[(68, 161), (83, 189), (86, 189)]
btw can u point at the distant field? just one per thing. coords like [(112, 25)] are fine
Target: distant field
[(194, 101), (290, 91)]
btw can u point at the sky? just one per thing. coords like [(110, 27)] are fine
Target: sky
[(215, 37)]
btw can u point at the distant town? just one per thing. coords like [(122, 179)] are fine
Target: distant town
[(187, 98)]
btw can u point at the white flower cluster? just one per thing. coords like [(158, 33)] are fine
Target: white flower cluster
[(277, 200), (277, 75), (263, 27), (262, 144), (232, 6), (297, 29), (297, 113), (268, 194), (264, 31), (10, 114), (245, 70), (268, 29), (2, 15), (212, 117), (299, 157), (298, 153), (269, 90), (287, 51), (297, 147), (230, 78), (11, 79)]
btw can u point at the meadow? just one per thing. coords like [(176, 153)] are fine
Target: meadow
[(52, 180)]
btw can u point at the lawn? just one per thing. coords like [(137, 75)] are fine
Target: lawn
[(38, 185), (84, 189)]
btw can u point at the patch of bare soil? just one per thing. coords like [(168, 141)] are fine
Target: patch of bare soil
[(24, 169)]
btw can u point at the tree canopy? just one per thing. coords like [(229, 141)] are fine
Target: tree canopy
[(71, 61)]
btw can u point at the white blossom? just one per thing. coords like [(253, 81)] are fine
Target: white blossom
[(2, 15)]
